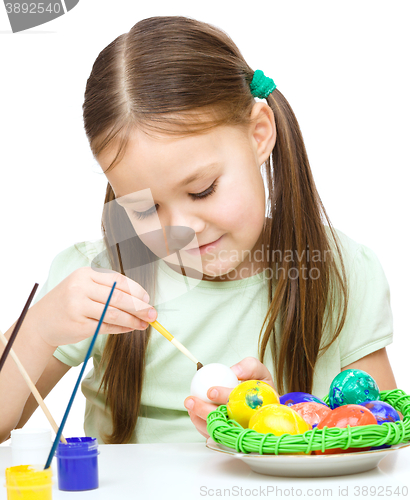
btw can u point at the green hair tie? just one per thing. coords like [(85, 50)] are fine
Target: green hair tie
[(261, 85)]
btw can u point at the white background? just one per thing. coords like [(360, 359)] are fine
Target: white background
[(342, 66)]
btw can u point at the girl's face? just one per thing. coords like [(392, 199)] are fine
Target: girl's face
[(210, 183)]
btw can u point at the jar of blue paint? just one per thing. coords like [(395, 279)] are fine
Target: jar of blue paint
[(77, 464)]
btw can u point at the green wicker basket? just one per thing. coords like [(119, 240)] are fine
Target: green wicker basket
[(231, 434)]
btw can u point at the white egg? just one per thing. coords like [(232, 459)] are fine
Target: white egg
[(214, 374)]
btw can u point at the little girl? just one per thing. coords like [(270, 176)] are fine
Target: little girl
[(255, 281)]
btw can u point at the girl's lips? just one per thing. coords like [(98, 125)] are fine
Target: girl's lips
[(204, 248)]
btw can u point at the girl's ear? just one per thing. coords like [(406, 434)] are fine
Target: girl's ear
[(262, 131)]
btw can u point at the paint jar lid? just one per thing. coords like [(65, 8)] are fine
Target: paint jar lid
[(78, 446), (30, 438)]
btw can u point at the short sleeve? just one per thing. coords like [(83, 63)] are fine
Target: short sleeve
[(369, 321), (66, 262)]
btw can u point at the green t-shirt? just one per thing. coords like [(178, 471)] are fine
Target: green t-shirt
[(218, 322)]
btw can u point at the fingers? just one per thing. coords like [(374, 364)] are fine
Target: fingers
[(201, 408), (124, 307), (252, 369), (219, 395), (198, 410), (108, 328), (200, 424), (248, 369), (115, 320), (124, 284)]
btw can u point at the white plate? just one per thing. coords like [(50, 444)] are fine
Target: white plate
[(309, 465)]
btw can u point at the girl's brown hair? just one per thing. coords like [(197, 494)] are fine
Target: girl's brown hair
[(179, 76)]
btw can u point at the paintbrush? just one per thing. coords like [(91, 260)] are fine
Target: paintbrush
[(17, 327), (70, 403), (164, 331), (33, 388), (177, 344), (8, 350)]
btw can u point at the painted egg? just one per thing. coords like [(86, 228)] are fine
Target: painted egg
[(293, 398), (312, 412), (353, 415), (247, 398), (352, 387), (278, 419), (383, 413), (214, 374)]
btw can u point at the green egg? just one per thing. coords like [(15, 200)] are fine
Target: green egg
[(352, 387)]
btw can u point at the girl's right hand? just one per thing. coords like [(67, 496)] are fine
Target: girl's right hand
[(70, 312)]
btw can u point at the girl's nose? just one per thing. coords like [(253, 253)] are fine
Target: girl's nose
[(183, 224), (179, 237)]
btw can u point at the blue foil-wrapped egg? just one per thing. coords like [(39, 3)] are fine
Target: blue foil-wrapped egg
[(293, 398), (352, 386), (383, 413)]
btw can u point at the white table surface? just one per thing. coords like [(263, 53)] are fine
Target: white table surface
[(190, 471)]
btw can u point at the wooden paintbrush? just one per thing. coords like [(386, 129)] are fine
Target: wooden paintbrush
[(8, 350), (33, 388), (177, 344)]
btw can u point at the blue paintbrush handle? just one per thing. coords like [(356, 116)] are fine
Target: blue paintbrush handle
[(70, 403)]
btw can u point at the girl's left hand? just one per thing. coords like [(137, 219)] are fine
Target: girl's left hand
[(247, 369)]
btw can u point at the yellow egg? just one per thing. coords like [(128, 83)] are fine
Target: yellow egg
[(279, 419), (247, 398)]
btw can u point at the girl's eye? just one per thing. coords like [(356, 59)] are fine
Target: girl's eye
[(143, 215), (196, 196)]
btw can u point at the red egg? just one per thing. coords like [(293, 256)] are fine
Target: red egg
[(353, 415), (312, 412)]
